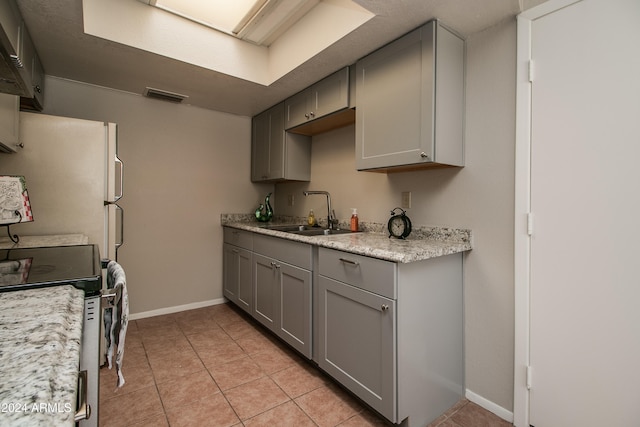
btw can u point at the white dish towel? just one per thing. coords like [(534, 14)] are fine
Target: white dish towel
[(116, 318)]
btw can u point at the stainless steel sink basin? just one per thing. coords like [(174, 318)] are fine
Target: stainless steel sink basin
[(305, 230), (319, 232), (287, 227)]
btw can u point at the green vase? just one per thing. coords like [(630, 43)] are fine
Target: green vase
[(264, 212)]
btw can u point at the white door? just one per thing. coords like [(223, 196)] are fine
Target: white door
[(584, 289)]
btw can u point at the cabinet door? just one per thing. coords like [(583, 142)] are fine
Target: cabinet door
[(276, 142), (395, 103), (265, 284), (298, 109), (237, 281), (330, 94), (245, 280), (9, 122), (357, 343), (295, 312), (33, 99), (10, 24), (260, 147), (267, 145), (230, 272)]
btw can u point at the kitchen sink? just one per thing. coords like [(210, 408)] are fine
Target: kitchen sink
[(287, 227), (305, 230), (319, 232)]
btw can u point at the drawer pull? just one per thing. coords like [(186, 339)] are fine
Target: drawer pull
[(275, 264), (348, 261), (384, 307)]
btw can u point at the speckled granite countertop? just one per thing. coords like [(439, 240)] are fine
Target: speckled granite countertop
[(40, 334), (41, 241), (423, 243)]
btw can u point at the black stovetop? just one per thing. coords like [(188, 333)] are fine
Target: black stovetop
[(27, 268)]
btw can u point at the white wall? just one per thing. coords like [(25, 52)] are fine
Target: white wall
[(184, 166), (479, 196)]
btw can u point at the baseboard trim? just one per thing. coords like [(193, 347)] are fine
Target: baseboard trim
[(489, 405), (176, 309)]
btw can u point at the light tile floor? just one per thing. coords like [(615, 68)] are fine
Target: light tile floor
[(215, 366)]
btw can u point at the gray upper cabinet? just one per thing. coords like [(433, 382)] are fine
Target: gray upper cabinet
[(34, 99), (411, 102), (9, 123), (21, 72), (277, 155), (10, 22), (9, 104), (328, 96)]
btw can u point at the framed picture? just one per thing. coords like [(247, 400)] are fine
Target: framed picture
[(14, 200)]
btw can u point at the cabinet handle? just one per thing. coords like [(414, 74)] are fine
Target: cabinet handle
[(312, 114), (348, 261), (384, 307), (275, 264), (84, 411), (235, 251), (306, 115), (424, 155), (17, 62)]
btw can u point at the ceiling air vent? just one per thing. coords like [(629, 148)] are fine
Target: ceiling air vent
[(164, 95)]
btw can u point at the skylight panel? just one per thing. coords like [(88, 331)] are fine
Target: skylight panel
[(222, 15), (257, 21)]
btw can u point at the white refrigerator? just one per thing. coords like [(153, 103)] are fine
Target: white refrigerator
[(73, 177)]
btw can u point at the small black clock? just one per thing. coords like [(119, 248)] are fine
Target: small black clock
[(399, 225)]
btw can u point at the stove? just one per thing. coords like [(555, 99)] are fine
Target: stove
[(28, 268)]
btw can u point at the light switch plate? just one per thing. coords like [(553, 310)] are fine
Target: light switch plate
[(406, 200)]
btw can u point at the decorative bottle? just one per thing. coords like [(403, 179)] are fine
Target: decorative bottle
[(354, 219), (311, 219)]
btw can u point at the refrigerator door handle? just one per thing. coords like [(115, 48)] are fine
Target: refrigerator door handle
[(121, 240), (120, 164)]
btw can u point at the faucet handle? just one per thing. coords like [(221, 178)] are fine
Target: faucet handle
[(332, 219)]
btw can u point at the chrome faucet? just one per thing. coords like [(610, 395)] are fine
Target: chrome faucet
[(331, 215)]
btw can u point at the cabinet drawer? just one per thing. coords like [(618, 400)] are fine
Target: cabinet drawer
[(371, 274), (294, 253), (243, 239)]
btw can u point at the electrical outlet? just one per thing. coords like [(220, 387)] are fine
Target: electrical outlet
[(290, 200), (406, 200)]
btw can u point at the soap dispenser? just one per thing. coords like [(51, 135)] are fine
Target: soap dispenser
[(311, 219), (354, 219)]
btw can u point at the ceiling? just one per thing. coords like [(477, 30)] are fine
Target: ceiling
[(56, 27)]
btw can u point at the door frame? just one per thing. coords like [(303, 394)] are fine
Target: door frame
[(522, 207)]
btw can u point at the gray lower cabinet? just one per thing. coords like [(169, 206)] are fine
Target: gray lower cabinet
[(265, 279), (357, 343), (282, 290), (237, 264), (392, 333)]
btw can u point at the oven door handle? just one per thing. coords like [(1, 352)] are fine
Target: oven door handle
[(84, 409)]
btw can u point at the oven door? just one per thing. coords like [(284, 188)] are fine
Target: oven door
[(90, 357)]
